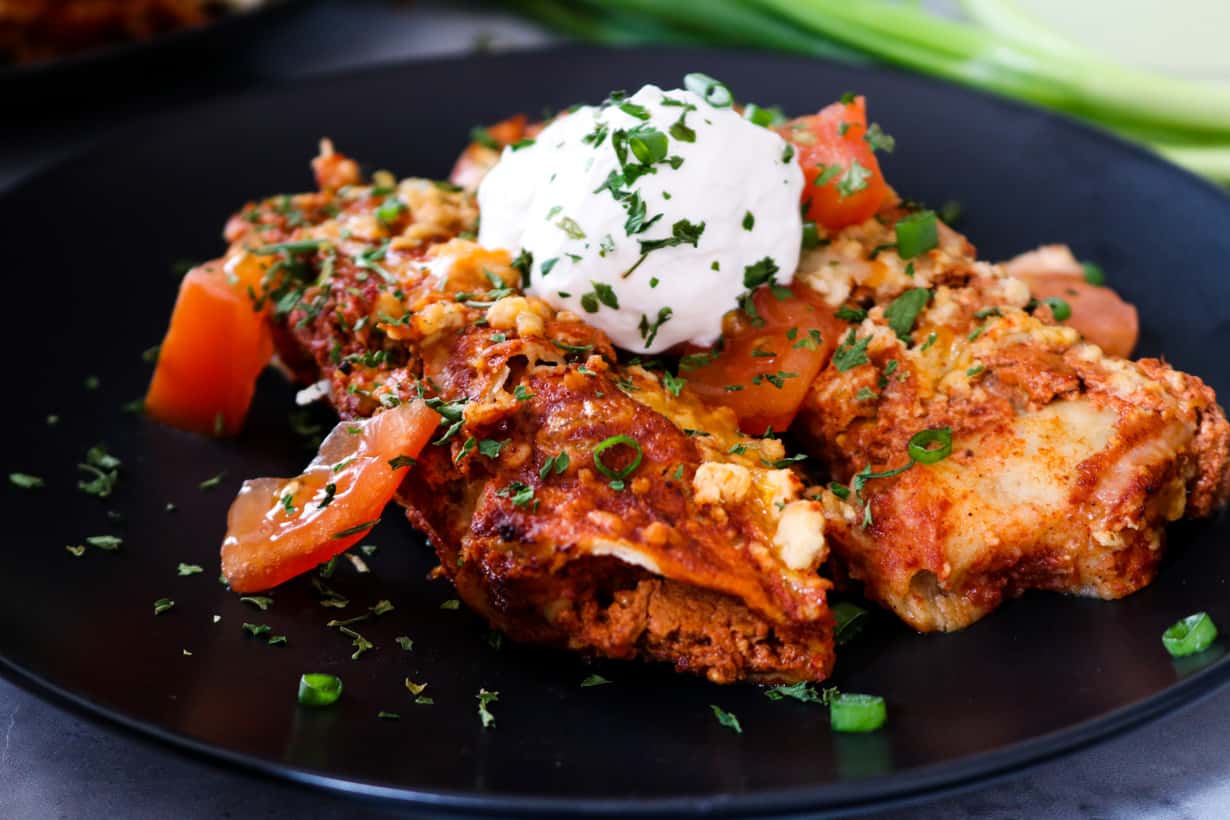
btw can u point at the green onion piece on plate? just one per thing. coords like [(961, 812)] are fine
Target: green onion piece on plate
[(1193, 634), (857, 713), (916, 234), (930, 446), (318, 689)]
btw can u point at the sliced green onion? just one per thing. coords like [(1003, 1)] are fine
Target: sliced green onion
[(811, 237), (615, 441), (389, 210), (648, 145), (922, 443), (1060, 309), (318, 689), (1193, 634), (857, 713), (916, 234), (710, 90), (1094, 274), (763, 117)]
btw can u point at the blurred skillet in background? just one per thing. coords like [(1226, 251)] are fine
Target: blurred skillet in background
[(56, 52)]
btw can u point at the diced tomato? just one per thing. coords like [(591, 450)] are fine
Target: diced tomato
[(278, 528), (214, 350), (1098, 312), (831, 146), (766, 367)]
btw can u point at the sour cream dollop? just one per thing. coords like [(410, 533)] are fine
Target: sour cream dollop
[(650, 216)]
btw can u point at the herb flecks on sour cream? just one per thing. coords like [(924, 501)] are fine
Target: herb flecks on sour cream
[(635, 214)]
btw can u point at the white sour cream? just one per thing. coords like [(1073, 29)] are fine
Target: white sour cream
[(552, 200)]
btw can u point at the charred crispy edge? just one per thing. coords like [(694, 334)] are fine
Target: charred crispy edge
[(1211, 489), (603, 607)]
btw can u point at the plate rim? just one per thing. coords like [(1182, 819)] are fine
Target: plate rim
[(879, 791)]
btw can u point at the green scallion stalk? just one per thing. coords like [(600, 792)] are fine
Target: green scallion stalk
[(1003, 51)]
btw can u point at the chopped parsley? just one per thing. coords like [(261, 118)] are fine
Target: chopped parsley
[(485, 699), (851, 314), (903, 312), (110, 543), (557, 464), (851, 353), (163, 605), (214, 482), (520, 494), (853, 180), (25, 481), (648, 330), (189, 569), (878, 140), (759, 273), (726, 719), (491, 447), (801, 691), (673, 383)]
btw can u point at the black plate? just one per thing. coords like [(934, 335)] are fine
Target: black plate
[(88, 261)]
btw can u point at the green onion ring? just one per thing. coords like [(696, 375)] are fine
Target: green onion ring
[(710, 90), (318, 689), (857, 713), (612, 442), (1193, 634), (920, 445), (1060, 308)]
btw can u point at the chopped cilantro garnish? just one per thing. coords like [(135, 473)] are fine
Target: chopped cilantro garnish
[(105, 542), (520, 494), (904, 310), (485, 699), (213, 482), (726, 719), (851, 353), (672, 383), (491, 447), (851, 314), (759, 273), (878, 140), (801, 691), (853, 180), (25, 481)]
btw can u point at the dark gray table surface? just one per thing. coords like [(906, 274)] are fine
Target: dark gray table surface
[(54, 764)]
